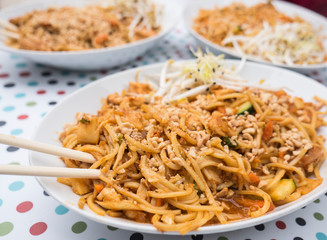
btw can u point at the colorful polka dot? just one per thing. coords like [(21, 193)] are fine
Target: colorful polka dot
[(46, 74), (52, 103), (20, 95), (102, 239), (65, 73), (14, 163), (39, 65), (45, 193), (16, 132), (61, 92), (318, 216), (1, 202), (222, 238), (2, 123), (280, 225), (12, 149), (9, 85), (21, 65), (30, 104), (22, 117), (260, 227), (41, 92), (24, 207), (38, 228), (79, 227), (300, 221), (321, 236), (6, 228), (24, 74), (136, 236), (16, 186), (297, 238), (71, 83), (8, 108), (61, 210), (197, 237), (32, 84), (52, 81), (112, 228), (4, 75), (317, 201)]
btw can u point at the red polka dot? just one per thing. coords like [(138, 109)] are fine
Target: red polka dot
[(24, 74), (139, 59), (24, 207), (38, 228), (40, 92), (61, 92), (103, 71), (280, 224), (22, 117), (4, 75)]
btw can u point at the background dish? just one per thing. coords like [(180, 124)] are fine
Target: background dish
[(191, 11), (88, 100), (89, 59)]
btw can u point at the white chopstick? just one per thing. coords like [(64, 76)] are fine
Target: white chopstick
[(8, 25), (49, 171), (46, 148), (9, 34)]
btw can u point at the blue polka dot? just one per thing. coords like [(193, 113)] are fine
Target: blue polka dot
[(21, 65), (321, 236), (83, 85), (20, 95), (32, 84), (15, 186), (102, 239), (65, 73), (8, 108), (39, 65), (43, 114), (14, 57), (61, 210), (16, 131), (81, 75), (1, 202)]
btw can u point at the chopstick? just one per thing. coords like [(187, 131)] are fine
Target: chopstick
[(9, 34), (46, 148), (9, 29), (49, 171), (8, 25)]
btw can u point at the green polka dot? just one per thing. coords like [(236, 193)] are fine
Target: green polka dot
[(79, 227), (5, 228), (222, 238), (30, 104), (112, 228), (317, 201), (318, 216), (93, 78)]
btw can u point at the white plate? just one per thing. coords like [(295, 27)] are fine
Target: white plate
[(88, 99), (192, 10), (95, 58)]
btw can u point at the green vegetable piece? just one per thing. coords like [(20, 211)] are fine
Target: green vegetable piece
[(283, 189), (229, 142), (245, 107), (120, 138), (84, 121)]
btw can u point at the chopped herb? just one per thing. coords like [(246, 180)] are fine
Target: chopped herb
[(229, 142), (187, 88), (199, 192), (238, 29), (214, 70), (84, 121), (120, 138), (207, 89), (195, 80)]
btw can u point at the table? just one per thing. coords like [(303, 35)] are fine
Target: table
[(29, 90)]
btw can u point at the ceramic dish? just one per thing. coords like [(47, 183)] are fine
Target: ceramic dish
[(89, 59), (88, 99), (318, 21)]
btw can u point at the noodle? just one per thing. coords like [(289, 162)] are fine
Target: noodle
[(184, 169)]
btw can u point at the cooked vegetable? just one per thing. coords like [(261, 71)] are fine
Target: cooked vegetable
[(245, 107), (229, 142), (268, 131), (284, 188)]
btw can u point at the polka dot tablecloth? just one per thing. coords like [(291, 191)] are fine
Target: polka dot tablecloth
[(29, 90)]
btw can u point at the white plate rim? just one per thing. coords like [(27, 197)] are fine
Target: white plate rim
[(148, 228)]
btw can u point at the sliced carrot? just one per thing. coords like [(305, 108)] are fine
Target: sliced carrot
[(268, 131), (221, 109), (247, 202), (280, 93), (101, 38), (254, 178), (98, 187)]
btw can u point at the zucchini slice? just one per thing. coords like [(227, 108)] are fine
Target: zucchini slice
[(284, 188), (245, 107)]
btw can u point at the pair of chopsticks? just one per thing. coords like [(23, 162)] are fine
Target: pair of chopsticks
[(8, 29), (49, 149)]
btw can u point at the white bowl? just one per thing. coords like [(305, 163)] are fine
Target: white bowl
[(318, 21), (88, 99), (89, 59)]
